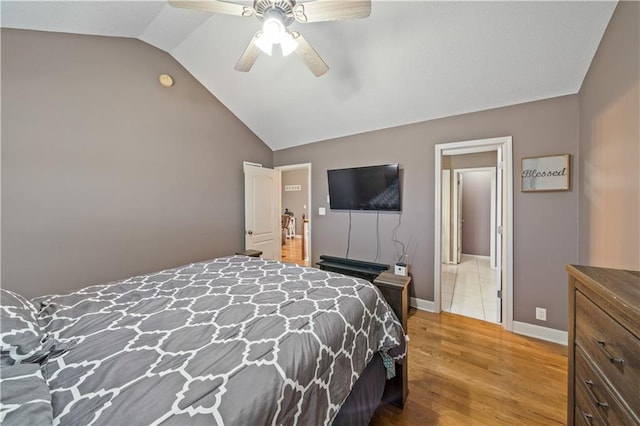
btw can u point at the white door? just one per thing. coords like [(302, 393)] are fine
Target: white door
[(459, 217), (261, 211), (446, 216), (498, 235)]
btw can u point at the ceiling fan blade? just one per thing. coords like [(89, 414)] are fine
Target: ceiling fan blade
[(309, 55), (331, 10), (248, 57), (215, 6)]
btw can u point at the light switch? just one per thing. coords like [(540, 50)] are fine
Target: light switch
[(322, 211)]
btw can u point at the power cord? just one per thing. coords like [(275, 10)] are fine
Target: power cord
[(395, 240), (348, 236), (377, 236)]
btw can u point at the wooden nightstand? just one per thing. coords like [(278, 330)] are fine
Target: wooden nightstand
[(395, 288), (250, 253)]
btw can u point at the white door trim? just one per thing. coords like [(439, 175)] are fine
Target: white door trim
[(482, 145)]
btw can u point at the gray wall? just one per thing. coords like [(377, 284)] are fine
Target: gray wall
[(476, 213), (545, 226), (296, 201), (470, 161), (609, 161), (105, 173), (466, 161)]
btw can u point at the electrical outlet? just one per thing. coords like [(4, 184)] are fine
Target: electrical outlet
[(541, 314)]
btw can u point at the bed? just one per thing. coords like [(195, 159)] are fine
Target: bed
[(235, 340)]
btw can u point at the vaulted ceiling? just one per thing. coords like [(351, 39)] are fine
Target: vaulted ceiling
[(410, 61)]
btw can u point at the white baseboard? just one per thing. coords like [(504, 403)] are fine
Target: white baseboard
[(423, 305), (539, 332), (526, 329), (477, 255)]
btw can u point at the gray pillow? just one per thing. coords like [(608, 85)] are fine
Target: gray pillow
[(24, 396), (21, 339)]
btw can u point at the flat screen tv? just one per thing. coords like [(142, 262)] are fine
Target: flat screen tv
[(365, 188)]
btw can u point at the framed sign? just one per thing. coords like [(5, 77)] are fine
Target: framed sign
[(545, 173)]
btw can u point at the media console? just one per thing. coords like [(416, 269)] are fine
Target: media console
[(355, 268)]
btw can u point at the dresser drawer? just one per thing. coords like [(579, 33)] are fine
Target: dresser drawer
[(613, 349), (584, 414), (597, 397)]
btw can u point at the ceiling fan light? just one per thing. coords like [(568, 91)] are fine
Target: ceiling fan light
[(264, 44), (288, 44), (273, 29)]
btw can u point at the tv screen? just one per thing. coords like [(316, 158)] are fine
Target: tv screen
[(365, 188)]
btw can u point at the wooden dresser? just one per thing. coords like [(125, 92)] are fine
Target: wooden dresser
[(604, 346)]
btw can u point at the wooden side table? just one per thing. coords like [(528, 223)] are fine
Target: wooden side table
[(395, 288), (250, 253)]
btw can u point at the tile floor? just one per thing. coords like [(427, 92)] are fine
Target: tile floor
[(469, 288)]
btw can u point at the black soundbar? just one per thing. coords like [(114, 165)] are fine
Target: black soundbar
[(355, 268)]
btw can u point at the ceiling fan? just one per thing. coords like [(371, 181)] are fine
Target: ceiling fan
[(276, 16)]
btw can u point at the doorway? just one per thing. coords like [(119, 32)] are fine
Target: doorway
[(295, 207), (473, 208), (469, 272), (445, 263)]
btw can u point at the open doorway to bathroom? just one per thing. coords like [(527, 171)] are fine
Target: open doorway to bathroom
[(468, 280), (296, 223), (469, 264)]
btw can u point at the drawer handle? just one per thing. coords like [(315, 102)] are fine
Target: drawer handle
[(587, 417), (589, 384), (612, 359)]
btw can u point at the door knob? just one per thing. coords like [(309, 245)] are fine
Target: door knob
[(250, 232)]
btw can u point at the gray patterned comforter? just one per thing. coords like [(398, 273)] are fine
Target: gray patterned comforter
[(235, 341)]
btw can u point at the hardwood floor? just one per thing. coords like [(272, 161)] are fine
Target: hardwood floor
[(464, 371), (292, 252)]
